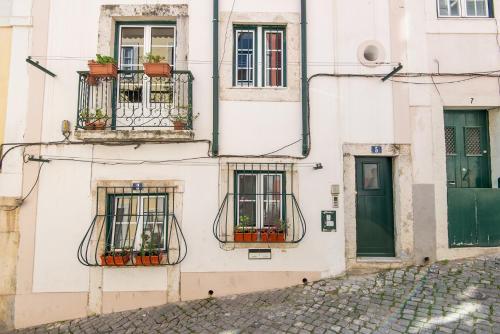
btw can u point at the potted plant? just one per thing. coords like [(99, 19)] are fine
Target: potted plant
[(244, 232), (153, 67), (150, 253), (181, 119), (101, 120), (93, 121), (115, 258), (103, 67), (275, 233)]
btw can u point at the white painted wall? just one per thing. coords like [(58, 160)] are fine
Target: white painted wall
[(342, 110)]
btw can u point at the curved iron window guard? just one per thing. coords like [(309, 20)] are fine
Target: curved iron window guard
[(133, 228), (262, 208)]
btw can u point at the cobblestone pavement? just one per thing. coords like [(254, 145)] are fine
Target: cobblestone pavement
[(447, 297)]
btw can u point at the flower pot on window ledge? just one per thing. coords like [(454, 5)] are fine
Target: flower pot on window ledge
[(245, 236), (153, 259), (272, 236), (116, 259), (154, 70)]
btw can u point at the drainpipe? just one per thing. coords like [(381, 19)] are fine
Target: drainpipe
[(305, 91), (215, 81)]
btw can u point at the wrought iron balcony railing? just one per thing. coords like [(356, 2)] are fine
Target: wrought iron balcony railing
[(133, 100), (133, 228), (259, 218)]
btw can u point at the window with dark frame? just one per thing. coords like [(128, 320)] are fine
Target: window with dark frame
[(137, 222), (259, 56), (259, 198)]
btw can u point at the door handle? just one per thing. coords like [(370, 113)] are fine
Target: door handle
[(451, 182), (466, 173)]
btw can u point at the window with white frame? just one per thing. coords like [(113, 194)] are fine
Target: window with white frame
[(135, 42), (260, 202), (259, 56), (137, 222), (465, 8)]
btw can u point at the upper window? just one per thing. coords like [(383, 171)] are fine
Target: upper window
[(259, 56), (137, 41), (465, 8)]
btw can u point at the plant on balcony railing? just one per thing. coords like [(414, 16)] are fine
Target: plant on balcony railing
[(134, 100)]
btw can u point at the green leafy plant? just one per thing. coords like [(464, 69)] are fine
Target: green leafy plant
[(100, 59), (245, 225), (183, 115), (151, 58), (282, 225), (151, 244), (88, 116)]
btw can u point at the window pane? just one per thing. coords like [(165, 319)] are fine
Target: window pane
[(244, 61), (273, 60), (443, 8), (370, 176), (454, 7), (125, 222), (162, 36), (272, 200), (165, 52), (247, 203), (133, 36)]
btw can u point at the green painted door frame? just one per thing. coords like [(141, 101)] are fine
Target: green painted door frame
[(374, 207)]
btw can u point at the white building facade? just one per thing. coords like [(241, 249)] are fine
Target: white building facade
[(307, 139)]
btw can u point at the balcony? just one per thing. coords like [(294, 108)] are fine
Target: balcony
[(135, 107)]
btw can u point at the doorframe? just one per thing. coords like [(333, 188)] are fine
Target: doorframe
[(402, 180)]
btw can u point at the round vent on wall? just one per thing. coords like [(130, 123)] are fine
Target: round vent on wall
[(371, 53)]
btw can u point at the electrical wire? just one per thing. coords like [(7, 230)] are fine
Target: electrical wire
[(21, 201)]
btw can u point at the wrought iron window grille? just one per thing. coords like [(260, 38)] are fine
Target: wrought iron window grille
[(259, 205), (133, 228), (134, 100)]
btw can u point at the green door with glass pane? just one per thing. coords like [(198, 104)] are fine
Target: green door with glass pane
[(374, 207), (467, 156), (473, 206)]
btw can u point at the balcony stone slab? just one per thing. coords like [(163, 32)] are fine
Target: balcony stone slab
[(145, 136)]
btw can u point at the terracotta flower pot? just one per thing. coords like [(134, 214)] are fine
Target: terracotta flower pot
[(114, 260), (102, 70), (95, 125), (157, 70), (179, 125), (245, 236), (148, 260), (272, 236)]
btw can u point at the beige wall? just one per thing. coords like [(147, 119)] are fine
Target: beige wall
[(5, 37)]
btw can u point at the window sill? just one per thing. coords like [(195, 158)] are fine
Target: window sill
[(258, 88), (134, 135), (262, 245)]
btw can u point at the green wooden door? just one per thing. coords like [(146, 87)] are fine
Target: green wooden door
[(467, 156), (473, 210), (374, 207)]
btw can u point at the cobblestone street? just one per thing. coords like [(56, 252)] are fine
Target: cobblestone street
[(447, 297)]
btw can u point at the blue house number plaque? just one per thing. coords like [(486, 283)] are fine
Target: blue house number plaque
[(376, 149)]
